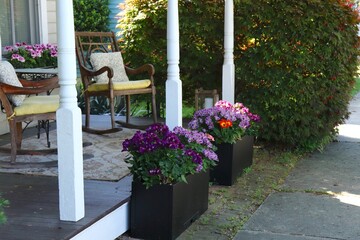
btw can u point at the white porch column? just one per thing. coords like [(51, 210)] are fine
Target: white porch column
[(69, 124), (173, 83), (228, 73)]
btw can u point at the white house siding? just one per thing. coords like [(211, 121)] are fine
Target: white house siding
[(51, 14)]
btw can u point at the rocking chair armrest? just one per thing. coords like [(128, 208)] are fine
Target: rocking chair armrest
[(39, 83), (10, 89), (92, 73), (149, 68)]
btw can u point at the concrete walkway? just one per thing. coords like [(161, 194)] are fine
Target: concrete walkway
[(321, 197)]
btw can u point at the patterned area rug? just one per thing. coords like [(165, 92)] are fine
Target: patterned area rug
[(102, 156)]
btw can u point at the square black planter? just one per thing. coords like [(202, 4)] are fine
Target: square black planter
[(233, 159), (165, 211)]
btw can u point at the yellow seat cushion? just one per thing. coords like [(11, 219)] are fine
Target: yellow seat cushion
[(137, 84), (38, 104)]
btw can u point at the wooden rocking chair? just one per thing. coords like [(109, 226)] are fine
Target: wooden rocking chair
[(104, 74), (20, 103)]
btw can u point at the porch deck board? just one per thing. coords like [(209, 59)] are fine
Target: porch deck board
[(34, 201)]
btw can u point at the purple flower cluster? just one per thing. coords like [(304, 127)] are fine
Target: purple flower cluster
[(187, 150), (193, 136), (209, 120), (196, 157), (210, 116), (210, 155), (155, 171), (157, 136)]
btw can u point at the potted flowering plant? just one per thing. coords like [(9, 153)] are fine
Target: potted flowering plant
[(230, 125), (23, 55), (226, 122), (170, 179)]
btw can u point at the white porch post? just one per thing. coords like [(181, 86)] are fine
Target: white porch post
[(173, 82), (228, 73), (69, 124)]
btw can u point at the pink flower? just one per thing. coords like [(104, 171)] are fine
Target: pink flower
[(53, 53), (18, 57), (223, 104), (210, 137), (9, 48)]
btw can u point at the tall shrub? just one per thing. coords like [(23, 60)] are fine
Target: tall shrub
[(142, 28), (295, 66), (91, 15), (295, 60)]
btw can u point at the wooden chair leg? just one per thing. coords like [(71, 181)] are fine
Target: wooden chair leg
[(112, 111), (18, 134), (12, 126), (87, 111), (153, 106), (128, 110)]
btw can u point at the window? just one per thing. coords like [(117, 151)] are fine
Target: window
[(19, 21)]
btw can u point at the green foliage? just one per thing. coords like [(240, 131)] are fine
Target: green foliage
[(3, 203), (356, 88), (295, 60), (143, 39), (91, 15)]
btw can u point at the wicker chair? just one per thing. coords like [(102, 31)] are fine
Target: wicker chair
[(104, 74), (21, 104)]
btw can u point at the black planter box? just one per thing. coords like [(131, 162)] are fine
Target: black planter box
[(233, 159), (165, 211)]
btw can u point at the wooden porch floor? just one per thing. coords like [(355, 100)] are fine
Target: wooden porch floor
[(33, 213), (34, 206)]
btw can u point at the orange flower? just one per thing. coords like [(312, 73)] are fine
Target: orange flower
[(225, 123)]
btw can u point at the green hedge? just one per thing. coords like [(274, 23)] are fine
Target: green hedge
[(295, 60), (91, 15)]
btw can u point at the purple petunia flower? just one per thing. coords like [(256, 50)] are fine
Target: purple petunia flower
[(156, 171), (199, 168), (210, 155)]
